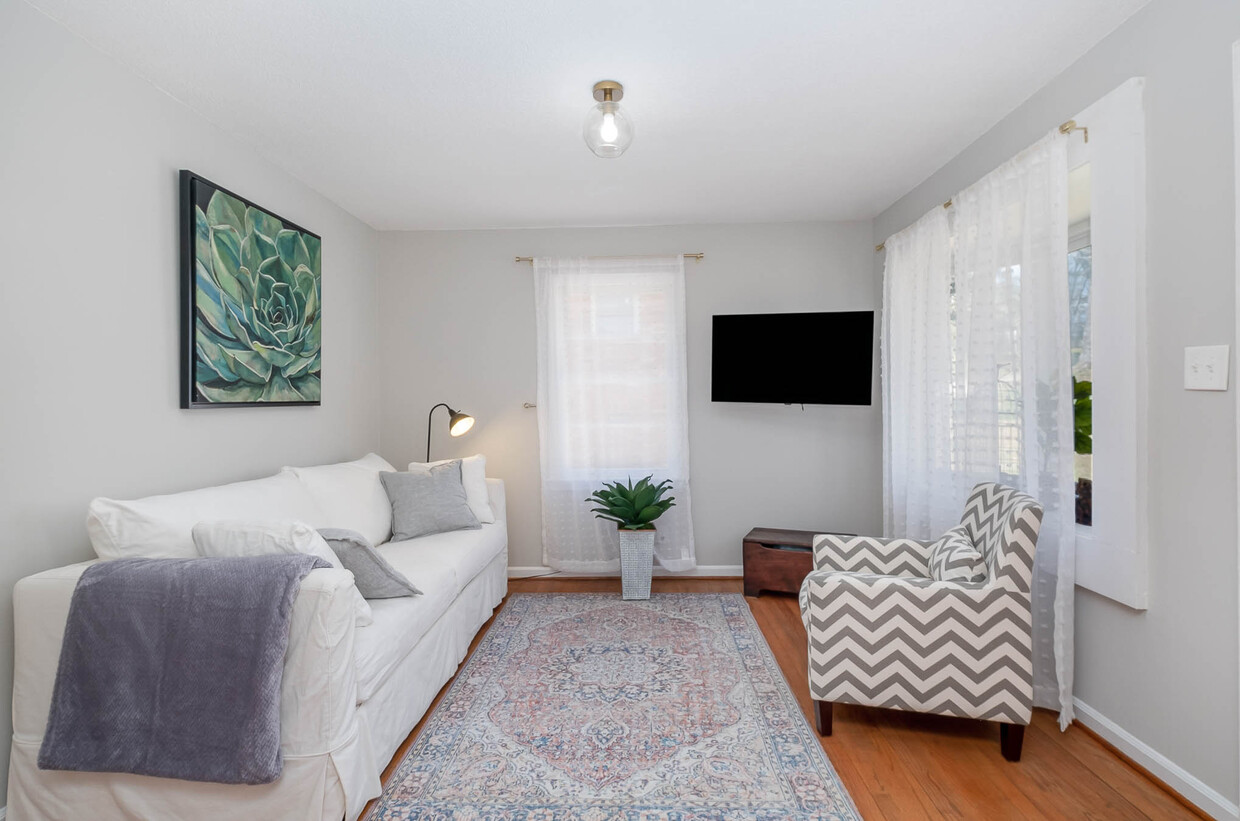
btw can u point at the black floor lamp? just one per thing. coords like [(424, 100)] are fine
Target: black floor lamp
[(458, 425)]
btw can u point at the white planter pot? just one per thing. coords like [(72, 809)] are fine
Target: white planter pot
[(636, 562)]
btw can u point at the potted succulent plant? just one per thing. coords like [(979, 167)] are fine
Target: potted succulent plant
[(634, 507)]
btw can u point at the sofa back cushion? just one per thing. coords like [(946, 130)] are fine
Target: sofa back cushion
[(161, 527), (349, 496)]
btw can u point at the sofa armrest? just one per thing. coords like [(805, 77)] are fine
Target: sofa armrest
[(499, 500), (318, 697), (865, 554), (40, 610), (319, 690)]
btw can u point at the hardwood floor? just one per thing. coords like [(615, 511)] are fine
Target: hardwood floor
[(904, 767)]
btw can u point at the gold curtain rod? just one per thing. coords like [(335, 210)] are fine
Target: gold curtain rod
[(1064, 128), (698, 256), (1070, 126)]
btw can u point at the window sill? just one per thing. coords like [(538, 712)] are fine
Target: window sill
[(1117, 573)]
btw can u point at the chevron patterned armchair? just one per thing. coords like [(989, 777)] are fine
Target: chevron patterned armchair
[(885, 632)]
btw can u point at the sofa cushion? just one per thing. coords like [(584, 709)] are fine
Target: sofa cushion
[(399, 624), (465, 551), (440, 566), (161, 527), (349, 495)]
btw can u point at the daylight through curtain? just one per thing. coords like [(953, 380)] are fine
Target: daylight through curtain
[(612, 401), (977, 377)]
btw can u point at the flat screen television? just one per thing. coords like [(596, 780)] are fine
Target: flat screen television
[(793, 359)]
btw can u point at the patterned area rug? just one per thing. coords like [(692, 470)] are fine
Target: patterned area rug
[(587, 707)]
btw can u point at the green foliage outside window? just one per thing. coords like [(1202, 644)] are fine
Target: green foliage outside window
[(1083, 412)]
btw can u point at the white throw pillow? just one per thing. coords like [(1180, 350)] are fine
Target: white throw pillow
[(262, 538), (160, 527), (227, 538), (349, 496), (474, 479)]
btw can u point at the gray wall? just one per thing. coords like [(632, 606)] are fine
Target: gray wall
[(1168, 675), (457, 325), (88, 318)]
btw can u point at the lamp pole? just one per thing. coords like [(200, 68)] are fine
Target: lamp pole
[(428, 426)]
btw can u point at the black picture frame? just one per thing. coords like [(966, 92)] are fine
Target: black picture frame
[(237, 324)]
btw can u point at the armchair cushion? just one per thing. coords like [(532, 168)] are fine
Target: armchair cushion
[(954, 558)]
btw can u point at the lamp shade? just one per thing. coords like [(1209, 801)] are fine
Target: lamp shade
[(459, 423), (608, 130)]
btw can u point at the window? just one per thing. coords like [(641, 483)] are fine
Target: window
[(612, 400), (1080, 272), (614, 356)]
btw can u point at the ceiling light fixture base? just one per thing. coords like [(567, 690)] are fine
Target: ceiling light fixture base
[(608, 91)]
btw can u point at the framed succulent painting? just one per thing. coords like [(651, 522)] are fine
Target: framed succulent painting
[(251, 303)]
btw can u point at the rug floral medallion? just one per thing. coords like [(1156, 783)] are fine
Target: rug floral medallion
[(584, 706)]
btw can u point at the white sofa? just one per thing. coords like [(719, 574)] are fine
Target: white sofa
[(350, 694)]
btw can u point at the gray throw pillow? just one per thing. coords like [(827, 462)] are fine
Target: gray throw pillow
[(425, 502), (374, 577)]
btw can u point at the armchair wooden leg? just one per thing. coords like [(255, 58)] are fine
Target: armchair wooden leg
[(1011, 737), (822, 716)]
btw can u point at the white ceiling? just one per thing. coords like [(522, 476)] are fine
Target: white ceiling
[(416, 114)]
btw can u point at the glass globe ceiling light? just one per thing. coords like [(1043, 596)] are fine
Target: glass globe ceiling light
[(608, 130)]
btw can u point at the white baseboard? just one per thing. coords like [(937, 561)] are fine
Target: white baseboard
[(1209, 800), (526, 572), (727, 570)]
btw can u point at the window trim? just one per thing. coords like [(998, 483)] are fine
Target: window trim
[(1112, 555)]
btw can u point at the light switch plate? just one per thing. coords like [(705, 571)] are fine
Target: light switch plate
[(1205, 368)]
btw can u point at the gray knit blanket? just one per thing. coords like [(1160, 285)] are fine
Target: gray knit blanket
[(172, 668)]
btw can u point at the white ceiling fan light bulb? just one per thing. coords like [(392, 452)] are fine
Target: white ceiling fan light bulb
[(608, 130)]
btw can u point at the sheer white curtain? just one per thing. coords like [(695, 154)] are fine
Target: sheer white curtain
[(977, 377), (612, 401), (918, 487)]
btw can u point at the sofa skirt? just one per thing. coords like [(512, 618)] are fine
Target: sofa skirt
[(403, 698), (309, 788)]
